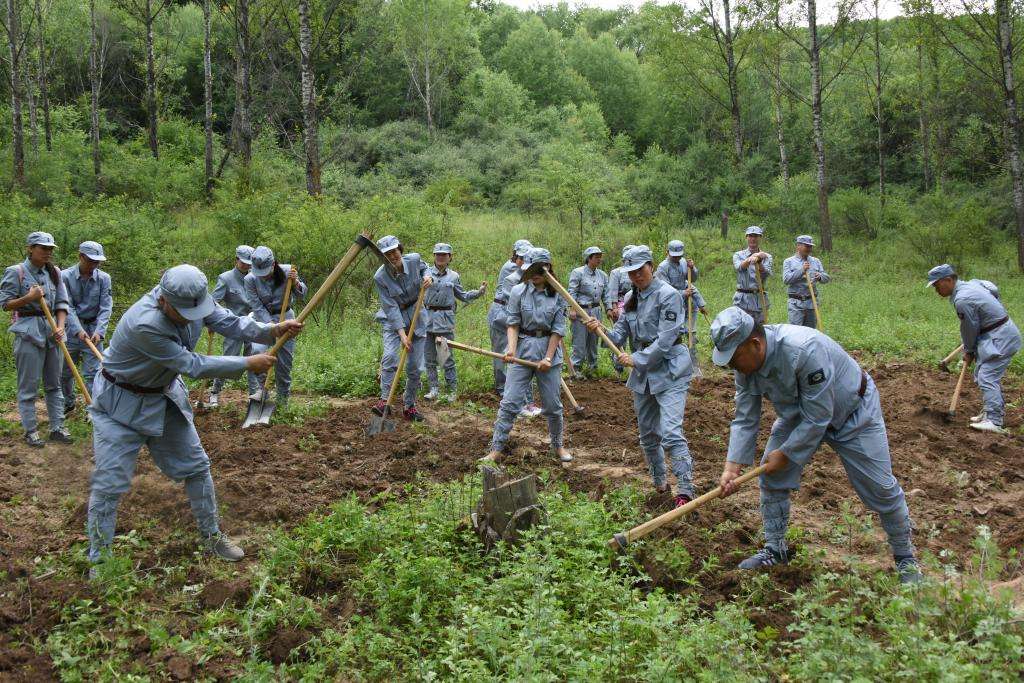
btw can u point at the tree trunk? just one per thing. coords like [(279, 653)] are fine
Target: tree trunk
[(924, 123), (734, 89), (311, 125), (243, 94), (879, 119), (44, 92), (207, 104), (151, 82), (33, 119), (14, 67), (1005, 32), (725, 224), (779, 130), (94, 101), (824, 219)]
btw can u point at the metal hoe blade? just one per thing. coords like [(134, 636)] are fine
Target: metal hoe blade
[(380, 423), (260, 410)]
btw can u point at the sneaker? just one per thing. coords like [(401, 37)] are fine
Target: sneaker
[(908, 570), (490, 457), (223, 547), (980, 417), (61, 435), (34, 440), (989, 426), (526, 411), (682, 499), (94, 572), (563, 455), (432, 394), (412, 415), (258, 395), (765, 557), (213, 401), (379, 406), (534, 410), (452, 396)]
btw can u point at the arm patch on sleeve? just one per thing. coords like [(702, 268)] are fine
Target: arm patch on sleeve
[(816, 377), (670, 316)]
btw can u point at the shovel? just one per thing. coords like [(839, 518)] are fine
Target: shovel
[(443, 351), (690, 323), (581, 312), (956, 394), (362, 241), (262, 409), (760, 292), (621, 540), (814, 301), (382, 423), (201, 404), (67, 354), (944, 363)]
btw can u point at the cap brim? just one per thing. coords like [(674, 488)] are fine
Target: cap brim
[(246, 261), (43, 244), (204, 309), (931, 283), (384, 251), (635, 266), (262, 272), (93, 257), (677, 253), (722, 358)]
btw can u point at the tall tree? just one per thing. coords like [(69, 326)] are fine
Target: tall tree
[(96, 62), (41, 74), (242, 123), (15, 44), (145, 12), (876, 70), (981, 35), (207, 103), (310, 122), (726, 31)]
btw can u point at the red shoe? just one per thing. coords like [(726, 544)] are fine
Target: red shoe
[(682, 499), (412, 415), (379, 406)]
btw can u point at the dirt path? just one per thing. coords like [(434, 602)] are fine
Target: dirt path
[(956, 479)]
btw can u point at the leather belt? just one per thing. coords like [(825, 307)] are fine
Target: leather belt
[(747, 291), (799, 297), (499, 301), (863, 384), (587, 306), (87, 321), (679, 340), (439, 308), (534, 333), (29, 314), (134, 388), (994, 326)]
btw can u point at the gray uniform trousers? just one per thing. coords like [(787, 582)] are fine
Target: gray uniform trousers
[(801, 316), (499, 340), (179, 455), (237, 347), (584, 342), (413, 365), (90, 368), (282, 368), (35, 363), (659, 418), (995, 351), (863, 448), (517, 393), (430, 353)]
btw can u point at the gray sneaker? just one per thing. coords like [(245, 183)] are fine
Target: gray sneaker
[(452, 396), (223, 547), (432, 394), (763, 558), (213, 401), (61, 435), (34, 440), (908, 570)]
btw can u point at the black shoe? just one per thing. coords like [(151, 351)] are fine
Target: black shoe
[(412, 415), (763, 558), (34, 440), (61, 435), (908, 570)]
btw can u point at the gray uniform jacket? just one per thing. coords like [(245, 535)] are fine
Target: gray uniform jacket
[(675, 273), (618, 285), (654, 330), (509, 267), (229, 292), (91, 301), (535, 310), (813, 385), (265, 298), (588, 286), (793, 276), (978, 309), (149, 350), (16, 282), (440, 300), (746, 278), (398, 294)]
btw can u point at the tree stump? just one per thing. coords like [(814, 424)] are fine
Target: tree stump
[(507, 507)]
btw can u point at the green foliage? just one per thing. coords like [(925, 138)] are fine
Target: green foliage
[(534, 56)]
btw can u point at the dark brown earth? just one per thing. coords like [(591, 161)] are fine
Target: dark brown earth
[(956, 479)]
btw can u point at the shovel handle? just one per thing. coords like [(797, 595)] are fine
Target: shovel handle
[(405, 353), (959, 386), (760, 292), (580, 311), (814, 300), (285, 302), (519, 361), (623, 539), (95, 351), (689, 308), (67, 354), (952, 354)]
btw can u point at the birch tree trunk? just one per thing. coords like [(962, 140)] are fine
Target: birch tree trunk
[(207, 104), (821, 175), (44, 87), (94, 100), (14, 67), (311, 125), (151, 82), (1004, 26)]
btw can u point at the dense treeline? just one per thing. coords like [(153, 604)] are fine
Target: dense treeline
[(802, 117)]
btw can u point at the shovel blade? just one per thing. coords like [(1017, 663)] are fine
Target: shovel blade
[(260, 411), (380, 423)]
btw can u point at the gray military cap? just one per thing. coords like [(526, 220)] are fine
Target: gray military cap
[(262, 261), (754, 230), (590, 251), (184, 288), (40, 239), (636, 257), (729, 329), (243, 252), (442, 248), (676, 248), (387, 243), (939, 272), (805, 239), (625, 249), (92, 250), (536, 255), (522, 248)]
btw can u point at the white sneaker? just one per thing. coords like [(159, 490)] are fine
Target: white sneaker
[(213, 401), (527, 410), (432, 394), (989, 426), (980, 417), (534, 409), (452, 397)]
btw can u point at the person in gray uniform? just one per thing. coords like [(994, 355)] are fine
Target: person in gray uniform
[(673, 271), (139, 399), (747, 264), (615, 297), (795, 271), (496, 313), (988, 335), (820, 395), (37, 356), (92, 302), (229, 292), (536, 317), (652, 321), (440, 302), (588, 285), (532, 407), (398, 287), (264, 291)]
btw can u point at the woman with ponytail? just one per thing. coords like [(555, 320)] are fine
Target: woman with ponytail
[(264, 290), (37, 355)]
